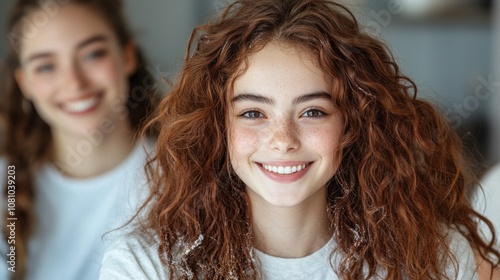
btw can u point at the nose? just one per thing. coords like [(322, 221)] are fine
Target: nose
[(284, 136), (74, 78)]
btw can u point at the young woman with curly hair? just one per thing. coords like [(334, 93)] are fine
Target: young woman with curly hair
[(292, 147), (75, 94)]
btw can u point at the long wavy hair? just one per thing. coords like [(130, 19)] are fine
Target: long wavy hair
[(402, 179), (27, 136)]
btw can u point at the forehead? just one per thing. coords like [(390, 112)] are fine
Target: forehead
[(281, 67), (61, 30)]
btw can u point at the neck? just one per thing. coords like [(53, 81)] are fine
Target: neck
[(291, 232), (91, 154)]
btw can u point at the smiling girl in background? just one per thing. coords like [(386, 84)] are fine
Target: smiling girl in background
[(293, 148), (75, 93)]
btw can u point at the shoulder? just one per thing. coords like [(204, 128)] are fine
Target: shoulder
[(149, 144), (146, 147), (465, 266), (143, 151), (485, 200), (132, 254)]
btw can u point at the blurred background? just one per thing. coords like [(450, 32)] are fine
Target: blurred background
[(448, 47)]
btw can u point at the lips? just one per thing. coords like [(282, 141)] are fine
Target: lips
[(285, 172), (82, 105)]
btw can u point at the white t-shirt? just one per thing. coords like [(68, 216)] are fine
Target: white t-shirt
[(74, 214), (135, 256), (488, 202)]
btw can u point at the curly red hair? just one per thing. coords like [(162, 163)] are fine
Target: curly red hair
[(401, 180)]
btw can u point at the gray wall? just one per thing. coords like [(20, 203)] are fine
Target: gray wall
[(445, 61), (163, 28), (449, 56), (495, 108), (4, 6)]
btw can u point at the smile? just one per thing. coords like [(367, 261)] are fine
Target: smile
[(284, 169), (82, 105), (286, 172)]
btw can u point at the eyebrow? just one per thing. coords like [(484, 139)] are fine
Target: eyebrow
[(93, 39), (252, 97), (86, 42), (311, 96), (265, 100)]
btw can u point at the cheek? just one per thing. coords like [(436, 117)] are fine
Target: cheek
[(41, 89), (324, 141), (243, 142), (108, 73)]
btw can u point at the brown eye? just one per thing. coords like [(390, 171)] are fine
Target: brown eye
[(252, 115), (313, 113)]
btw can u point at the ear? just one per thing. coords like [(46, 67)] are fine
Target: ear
[(130, 58), (20, 77)]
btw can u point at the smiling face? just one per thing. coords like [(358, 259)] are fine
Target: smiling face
[(75, 71), (284, 129)]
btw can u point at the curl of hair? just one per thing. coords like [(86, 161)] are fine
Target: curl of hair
[(28, 137), (402, 180)]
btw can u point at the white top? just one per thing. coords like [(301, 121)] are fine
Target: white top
[(488, 202), (73, 215), (135, 256)]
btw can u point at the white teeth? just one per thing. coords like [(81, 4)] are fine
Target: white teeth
[(284, 169), (287, 170), (81, 105)]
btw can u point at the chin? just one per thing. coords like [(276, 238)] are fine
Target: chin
[(283, 200)]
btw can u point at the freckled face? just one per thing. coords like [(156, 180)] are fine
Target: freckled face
[(284, 129)]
